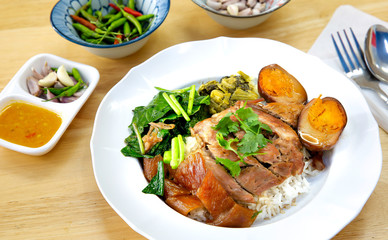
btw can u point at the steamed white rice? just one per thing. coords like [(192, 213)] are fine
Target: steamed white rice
[(274, 200)]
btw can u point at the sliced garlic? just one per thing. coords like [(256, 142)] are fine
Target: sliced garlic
[(49, 80), (63, 76), (232, 9)]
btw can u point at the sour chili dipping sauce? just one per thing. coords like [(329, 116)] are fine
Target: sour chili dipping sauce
[(28, 125)]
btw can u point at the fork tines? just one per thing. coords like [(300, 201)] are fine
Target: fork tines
[(357, 61)]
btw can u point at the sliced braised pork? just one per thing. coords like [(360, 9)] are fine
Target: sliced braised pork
[(203, 189)]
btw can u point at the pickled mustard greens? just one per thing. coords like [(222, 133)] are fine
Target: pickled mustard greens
[(227, 91)]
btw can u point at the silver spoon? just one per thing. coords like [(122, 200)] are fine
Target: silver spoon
[(376, 51)]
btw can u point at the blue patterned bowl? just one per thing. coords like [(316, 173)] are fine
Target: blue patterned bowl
[(62, 23)]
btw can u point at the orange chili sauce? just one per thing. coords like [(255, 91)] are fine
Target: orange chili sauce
[(28, 125)]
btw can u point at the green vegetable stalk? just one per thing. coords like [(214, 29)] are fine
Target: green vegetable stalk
[(139, 139), (175, 153)]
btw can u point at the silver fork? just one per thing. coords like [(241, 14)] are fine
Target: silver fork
[(357, 69)]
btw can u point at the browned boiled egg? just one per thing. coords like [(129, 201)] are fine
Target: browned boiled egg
[(276, 85), (321, 123)]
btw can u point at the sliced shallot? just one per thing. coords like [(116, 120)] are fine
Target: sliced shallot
[(33, 86), (50, 96), (36, 75)]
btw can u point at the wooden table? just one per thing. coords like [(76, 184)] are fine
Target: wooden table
[(55, 196)]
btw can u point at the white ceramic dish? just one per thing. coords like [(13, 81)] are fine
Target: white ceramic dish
[(16, 90), (337, 195), (242, 22)]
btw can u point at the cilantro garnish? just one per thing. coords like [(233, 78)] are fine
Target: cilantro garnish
[(252, 141), (256, 213)]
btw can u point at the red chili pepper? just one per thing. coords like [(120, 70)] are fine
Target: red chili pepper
[(114, 7), (118, 38), (31, 135), (84, 22), (133, 12)]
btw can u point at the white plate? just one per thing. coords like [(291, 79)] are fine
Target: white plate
[(16, 90), (337, 195)]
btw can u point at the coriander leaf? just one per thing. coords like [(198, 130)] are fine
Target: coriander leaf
[(248, 143), (249, 120), (227, 144), (266, 127), (233, 167), (226, 125), (251, 143), (247, 115), (156, 185)]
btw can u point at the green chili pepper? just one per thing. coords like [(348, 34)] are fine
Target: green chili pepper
[(91, 18), (145, 17), (131, 4), (133, 20), (69, 92), (113, 26), (90, 11), (116, 24), (86, 34), (113, 18), (86, 31), (134, 31), (108, 16), (56, 91), (84, 7), (99, 15), (100, 31), (77, 76), (97, 30), (126, 29), (88, 16)]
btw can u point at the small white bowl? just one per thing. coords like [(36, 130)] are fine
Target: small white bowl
[(241, 22), (62, 24), (16, 91)]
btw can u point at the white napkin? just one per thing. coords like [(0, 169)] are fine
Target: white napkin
[(343, 18)]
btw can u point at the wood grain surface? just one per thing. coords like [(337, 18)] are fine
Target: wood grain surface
[(55, 196)]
